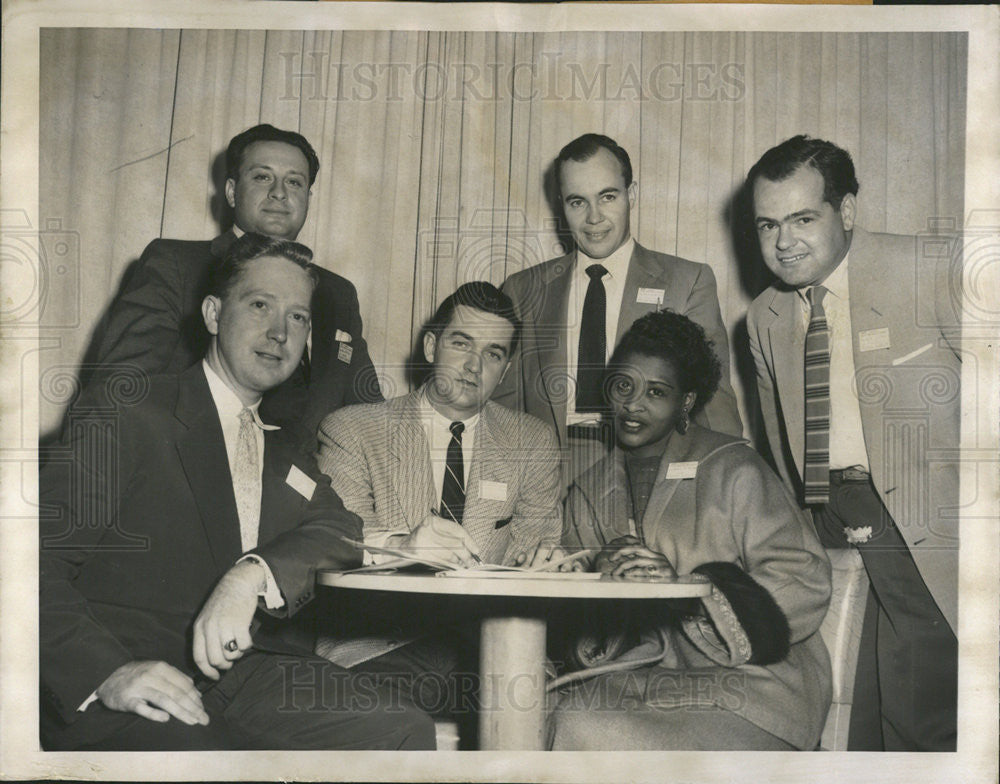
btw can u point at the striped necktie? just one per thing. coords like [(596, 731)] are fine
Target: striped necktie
[(453, 487), (817, 382)]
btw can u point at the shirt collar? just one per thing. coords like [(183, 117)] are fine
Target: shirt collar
[(616, 264), (227, 402), (836, 282), (429, 413)]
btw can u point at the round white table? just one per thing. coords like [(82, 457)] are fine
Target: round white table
[(512, 649)]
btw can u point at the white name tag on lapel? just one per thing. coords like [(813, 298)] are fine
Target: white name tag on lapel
[(873, 339), (682, 470), (300, 482), (492, 491), (649, 296), (342, 337), (344, 353)]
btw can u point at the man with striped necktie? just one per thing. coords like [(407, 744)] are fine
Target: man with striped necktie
[(447, 473), (843, 369)]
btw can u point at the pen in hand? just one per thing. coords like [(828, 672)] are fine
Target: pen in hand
[(475, 557)]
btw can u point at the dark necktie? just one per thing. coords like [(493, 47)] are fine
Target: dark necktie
[(593, 344), (817, 381), (453, 487)]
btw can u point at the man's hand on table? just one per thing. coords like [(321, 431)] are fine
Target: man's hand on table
[(222, 628), (440, 538), (545, 553), (154, 690)]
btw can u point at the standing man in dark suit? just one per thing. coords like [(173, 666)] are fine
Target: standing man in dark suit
[(183, 533), (575, 307), (155, 323), (859, 388)]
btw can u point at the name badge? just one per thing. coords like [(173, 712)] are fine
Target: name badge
[(492, 491), (650, 297), (873, 339), (682, 470), (342, 337), (344, 353), (300, 482)]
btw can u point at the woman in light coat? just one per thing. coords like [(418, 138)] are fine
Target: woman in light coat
[(743, 668)]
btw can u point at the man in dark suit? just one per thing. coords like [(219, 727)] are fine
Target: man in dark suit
[(155, 323), (180, 543), (859, 388), (575, 307)]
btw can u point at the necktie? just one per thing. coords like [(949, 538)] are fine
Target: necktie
[(817, 383), (453, 487), (593, 344), (246, 480)]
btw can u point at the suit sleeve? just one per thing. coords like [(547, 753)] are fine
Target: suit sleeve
[(779, 594), (317, 542), (342, 458), (581, 530), (767, 395), (76, 651), (537, 515), (144, 323), (721, 412)]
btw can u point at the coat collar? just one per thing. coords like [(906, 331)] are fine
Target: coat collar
[(222, 243), (698, 445)]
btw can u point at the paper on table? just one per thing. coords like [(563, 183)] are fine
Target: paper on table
[(403, 558)]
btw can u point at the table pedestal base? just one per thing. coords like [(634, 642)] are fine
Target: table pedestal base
[(512, 668)]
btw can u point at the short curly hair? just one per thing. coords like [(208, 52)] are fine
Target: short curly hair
[(678, 340)]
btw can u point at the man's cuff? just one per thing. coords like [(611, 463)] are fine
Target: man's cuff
[(88, 702), (271, 594)]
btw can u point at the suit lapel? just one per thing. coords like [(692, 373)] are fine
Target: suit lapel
[(643, 272), (664, 489), (490, 462), (410, 472), (279, 503), (864, 279), (202, 452), (786, 344), (549, 359), (324, 328)]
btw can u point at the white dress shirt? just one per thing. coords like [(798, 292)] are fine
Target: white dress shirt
[(614, 286), (847, 440), (437, 431)]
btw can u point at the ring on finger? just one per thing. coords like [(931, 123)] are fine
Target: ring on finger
[(232, 646)]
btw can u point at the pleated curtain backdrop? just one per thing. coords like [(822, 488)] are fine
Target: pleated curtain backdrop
[(435, 147)]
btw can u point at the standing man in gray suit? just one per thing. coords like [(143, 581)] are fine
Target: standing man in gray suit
[(859, 389), (575, 307)]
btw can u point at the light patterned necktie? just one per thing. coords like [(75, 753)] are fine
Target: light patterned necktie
[(453, 487), (817, 378), (246, 480)]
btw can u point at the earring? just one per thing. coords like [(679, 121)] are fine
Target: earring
[(682, 426)]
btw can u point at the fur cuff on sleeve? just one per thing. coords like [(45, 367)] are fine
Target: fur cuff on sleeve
[(762, 620)]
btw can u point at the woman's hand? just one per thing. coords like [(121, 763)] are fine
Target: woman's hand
[(604, 563), (635, 561)]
